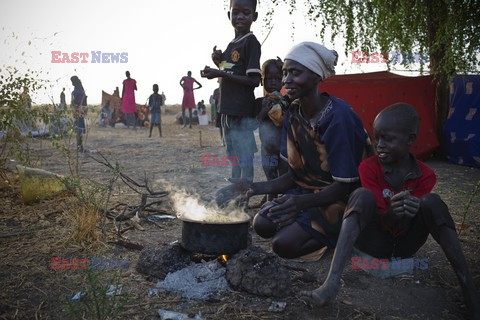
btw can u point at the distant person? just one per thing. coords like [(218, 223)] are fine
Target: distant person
[(239, 70), (213, 105), (272, 109), (188, 101), (395, 211), (216, 116), (129, 107), (116, 92), (79, 104), (164, 98), (63, 101), (154, 104), (106, 115), (201, 107)]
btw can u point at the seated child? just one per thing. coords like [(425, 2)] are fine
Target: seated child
[(395, 211), (271, 114), (105, 115), (325, 144)]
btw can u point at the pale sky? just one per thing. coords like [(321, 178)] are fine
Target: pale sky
[(163, 39)]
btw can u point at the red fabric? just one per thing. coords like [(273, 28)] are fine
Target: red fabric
[(188, 101), (128, 100), (372, 178), (369, 93)]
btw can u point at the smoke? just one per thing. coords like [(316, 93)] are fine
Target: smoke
[(189, 205)]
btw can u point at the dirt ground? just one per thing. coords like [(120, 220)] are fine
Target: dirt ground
[(31, 234)]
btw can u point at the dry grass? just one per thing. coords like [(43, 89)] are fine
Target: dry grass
[(85, 226)]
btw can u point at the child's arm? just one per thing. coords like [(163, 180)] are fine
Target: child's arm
[(250, 80), (216, 56)]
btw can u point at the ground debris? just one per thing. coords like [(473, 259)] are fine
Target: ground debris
[(198, 281)]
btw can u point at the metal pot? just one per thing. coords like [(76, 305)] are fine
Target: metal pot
[(214, 238)]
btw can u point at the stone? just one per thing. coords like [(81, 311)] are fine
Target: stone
[(158, 262), (255, 271)]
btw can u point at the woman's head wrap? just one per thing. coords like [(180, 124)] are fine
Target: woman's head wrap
[(314, 57)]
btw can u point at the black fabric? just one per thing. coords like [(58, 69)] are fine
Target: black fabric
[(241, 57)]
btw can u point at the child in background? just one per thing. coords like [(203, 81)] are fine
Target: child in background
[(239, 73), (395, 211), (270, 117), (154, 104)]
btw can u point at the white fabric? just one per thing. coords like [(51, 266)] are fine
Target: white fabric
[(314, 57)]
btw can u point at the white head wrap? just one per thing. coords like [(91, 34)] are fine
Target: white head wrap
[(314, 57)]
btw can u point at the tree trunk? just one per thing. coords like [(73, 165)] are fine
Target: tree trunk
[(435, 15)]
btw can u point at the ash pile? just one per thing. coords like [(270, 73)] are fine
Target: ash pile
[(250, 270)]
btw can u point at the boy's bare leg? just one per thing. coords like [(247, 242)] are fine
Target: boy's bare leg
[(151, 128), (447, 239), (361, 207), (329, 289), (160, 129)]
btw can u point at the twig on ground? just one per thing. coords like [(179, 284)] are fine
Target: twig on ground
[(128, 245)]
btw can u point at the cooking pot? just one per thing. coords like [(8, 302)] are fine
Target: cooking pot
[(215, 238)]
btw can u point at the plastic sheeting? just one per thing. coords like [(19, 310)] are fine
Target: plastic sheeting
[(462, 128), (369, 93)]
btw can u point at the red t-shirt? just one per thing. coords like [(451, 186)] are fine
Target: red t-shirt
[(420, 182)]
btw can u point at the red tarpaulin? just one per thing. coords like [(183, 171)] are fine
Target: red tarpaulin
[(369, 93)]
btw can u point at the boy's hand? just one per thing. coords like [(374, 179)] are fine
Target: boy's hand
[(405, 205), (210, 73), (286, 211), (216, 56)]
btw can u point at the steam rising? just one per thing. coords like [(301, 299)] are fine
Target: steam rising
[(190, 207)]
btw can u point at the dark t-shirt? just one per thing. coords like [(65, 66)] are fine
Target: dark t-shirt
[(242, 57)]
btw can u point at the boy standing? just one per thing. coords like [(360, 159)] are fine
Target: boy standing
[(395, 211), (239, 73), (154, 104)]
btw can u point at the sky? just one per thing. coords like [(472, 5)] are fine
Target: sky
[(162, 39)]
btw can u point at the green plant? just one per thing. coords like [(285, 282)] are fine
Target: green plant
[(473, 196), (95, 304)]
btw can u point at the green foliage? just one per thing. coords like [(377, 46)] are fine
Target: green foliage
[(447, 30), (96, 304), (17, 114)]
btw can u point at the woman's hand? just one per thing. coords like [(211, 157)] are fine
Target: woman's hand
[(286, 211), (240, 190)]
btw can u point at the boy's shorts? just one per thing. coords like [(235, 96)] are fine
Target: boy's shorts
[(239, 135), (155, 117)]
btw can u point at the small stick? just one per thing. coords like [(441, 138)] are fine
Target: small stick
[(200, 132)]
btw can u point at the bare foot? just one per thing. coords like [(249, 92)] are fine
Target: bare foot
[(321, 296)]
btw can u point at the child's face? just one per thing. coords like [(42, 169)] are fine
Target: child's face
[(272, 80), (298, 80), (392, 142), (242, 15)]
